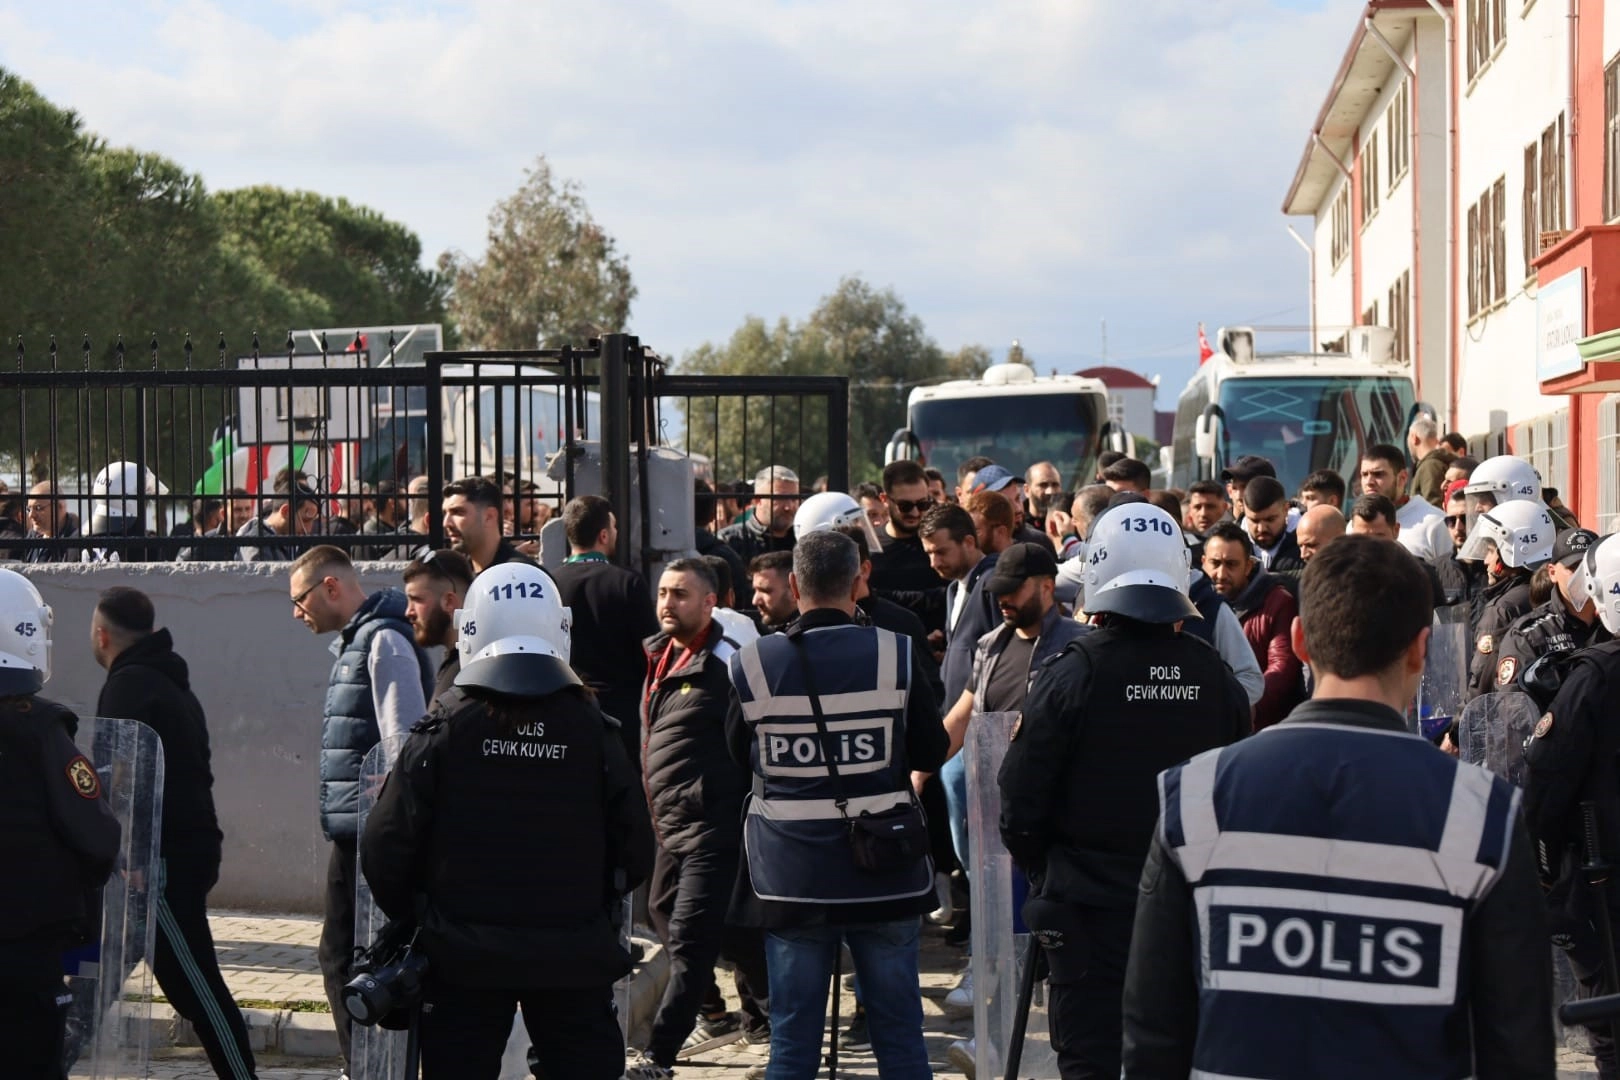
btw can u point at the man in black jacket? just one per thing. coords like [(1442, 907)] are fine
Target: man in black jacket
[(612, 611), (706, 543), (147, 681), (901, 572), (695, 792)]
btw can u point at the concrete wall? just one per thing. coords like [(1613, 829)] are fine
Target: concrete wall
[(261, 677)]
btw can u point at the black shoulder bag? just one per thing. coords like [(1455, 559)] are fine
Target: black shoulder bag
[(887, 840)]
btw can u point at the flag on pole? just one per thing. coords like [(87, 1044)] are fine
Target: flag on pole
[(1204, 351)]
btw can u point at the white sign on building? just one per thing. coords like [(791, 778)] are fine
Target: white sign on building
[(1560, 324)]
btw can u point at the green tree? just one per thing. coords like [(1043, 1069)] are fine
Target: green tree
[(549, 273), (858, 331)]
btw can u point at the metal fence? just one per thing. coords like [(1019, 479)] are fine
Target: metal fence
[(356, 437)]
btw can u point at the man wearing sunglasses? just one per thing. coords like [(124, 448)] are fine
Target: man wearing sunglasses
[(902, 572), (379, 687)]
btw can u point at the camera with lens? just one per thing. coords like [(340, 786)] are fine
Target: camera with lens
[(388, 980)]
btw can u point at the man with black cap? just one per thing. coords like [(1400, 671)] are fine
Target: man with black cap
[(1237, 475), (1561, 625), (1118, 705)]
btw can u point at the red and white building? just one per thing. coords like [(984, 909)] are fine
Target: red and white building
[(1462, 176)]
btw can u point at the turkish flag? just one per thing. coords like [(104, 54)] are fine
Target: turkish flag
[(1204, 351)]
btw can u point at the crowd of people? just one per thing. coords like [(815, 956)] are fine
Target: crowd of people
[(771, 738)]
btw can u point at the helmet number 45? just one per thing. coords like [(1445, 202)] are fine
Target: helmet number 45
[(25, 629)]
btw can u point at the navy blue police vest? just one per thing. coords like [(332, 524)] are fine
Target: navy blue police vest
[(797, 843), (1333, 869)]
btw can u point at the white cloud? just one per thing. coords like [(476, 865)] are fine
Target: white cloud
[(1019, 169)]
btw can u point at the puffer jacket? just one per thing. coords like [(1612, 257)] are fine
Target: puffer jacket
[(695, 790), (1266, 608)]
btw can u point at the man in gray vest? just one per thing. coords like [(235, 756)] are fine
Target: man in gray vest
[(1366, 903), (379, 687), (832, 717)]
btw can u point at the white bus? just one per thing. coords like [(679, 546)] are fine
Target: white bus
[(1301, 411), (1015, 418)]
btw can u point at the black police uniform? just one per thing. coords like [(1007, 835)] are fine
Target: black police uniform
[(1570, 760), (58, 842), (486, 825), (1505, 602), (1550, 628), (1079, 800)]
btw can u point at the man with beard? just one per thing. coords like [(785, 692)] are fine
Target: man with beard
[(695, 792), (1266, 608), (1265, 517), (1423, 531), (773, 597), (436, 587), (1043, 492), (473, 511), (902, 573)]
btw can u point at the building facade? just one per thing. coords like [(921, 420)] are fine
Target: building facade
[(1469, 148)]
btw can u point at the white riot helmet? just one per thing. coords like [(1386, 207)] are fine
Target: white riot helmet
[(25, 636), (834, 510), (114, 490), (1137, 565), (1598, 579), (513, 633), (1498, 480), (1522, 531)]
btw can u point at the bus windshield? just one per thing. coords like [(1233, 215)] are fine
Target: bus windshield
[(1306, 423), (1014, 431)]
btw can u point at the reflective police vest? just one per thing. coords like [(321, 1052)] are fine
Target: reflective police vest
[(1332, 870), (796, 841)]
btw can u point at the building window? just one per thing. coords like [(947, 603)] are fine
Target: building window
[(1611, 142), (1608, 465), (1487, 249), (1398, 126), (1487, 24), (1530, 207), (1399, 305), (1341, 225), (1369, 179), (1116, 409), (1551, 181), (1370, 316), (1543, 441)]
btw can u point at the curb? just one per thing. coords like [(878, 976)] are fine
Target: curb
[(311, 1035)]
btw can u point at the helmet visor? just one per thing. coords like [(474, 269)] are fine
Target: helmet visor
[(1484, 537), (1476, 504)]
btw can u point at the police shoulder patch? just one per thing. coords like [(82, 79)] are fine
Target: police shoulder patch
[(1543, 726), (86, 784), (1486, 644), (1505, 671)]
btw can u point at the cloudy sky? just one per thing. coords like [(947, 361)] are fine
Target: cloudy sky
[(1022, 169)]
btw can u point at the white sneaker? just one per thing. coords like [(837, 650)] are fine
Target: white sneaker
[(963, 1054), (960, 1000)]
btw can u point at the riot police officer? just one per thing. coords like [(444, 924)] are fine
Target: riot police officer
[(1561, 625), (514, 824), (1570, 760), (58, 841), (1513, 540), (1101, 720), (1332, 898)]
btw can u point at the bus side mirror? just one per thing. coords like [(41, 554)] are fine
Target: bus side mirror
[(903, 446), (1204, 437)]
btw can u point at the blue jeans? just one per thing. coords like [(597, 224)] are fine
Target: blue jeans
[(801, 967), (953, 778)]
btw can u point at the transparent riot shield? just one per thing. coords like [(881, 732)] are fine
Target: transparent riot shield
[(375, 1053), (1000, 942), (1444, 689), (1493, 731), (111, 980)]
